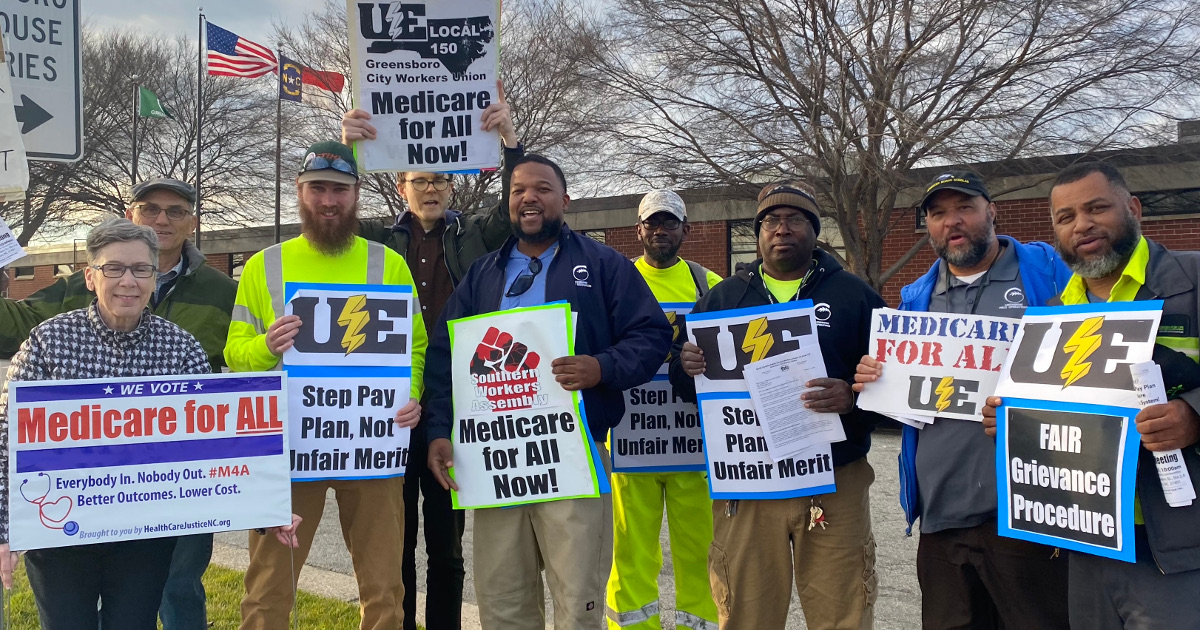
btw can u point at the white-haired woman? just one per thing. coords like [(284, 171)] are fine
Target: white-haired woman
[(115, 337)]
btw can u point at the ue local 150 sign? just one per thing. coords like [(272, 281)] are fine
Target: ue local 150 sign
[(41, 48)]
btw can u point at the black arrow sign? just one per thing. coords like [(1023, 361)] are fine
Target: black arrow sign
[(31, 115)]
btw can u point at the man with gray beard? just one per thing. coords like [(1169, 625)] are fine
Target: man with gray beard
[(1097, 230), (970, 577)]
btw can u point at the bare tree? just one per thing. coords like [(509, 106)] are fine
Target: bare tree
[(853, 95)]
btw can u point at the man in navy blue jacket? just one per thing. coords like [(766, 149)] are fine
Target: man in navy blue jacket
[(621, 338), (969, 576)]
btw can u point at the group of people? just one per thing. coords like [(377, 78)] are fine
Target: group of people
[(148, 304)]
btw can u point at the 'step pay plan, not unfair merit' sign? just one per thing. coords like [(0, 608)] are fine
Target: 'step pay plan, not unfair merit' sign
[(125, 459), (45, 63)]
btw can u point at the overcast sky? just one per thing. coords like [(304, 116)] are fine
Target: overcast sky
[(248, 18)]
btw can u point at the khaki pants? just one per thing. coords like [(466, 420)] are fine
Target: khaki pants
[(371, 512), (756, 552), (571, 539)]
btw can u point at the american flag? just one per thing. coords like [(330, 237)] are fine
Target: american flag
[(233, 56)]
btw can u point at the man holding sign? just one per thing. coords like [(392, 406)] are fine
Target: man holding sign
[(620, 341), (1098, 233), (639, 497), (969, 576), (824, 542), (372, 509)]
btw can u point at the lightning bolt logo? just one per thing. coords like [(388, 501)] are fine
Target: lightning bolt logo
[(354, 319), (674, 324), (397, 15), (1083, 342), (944, 390), (758, 341)]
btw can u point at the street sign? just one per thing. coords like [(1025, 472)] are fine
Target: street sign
[(44, 61)]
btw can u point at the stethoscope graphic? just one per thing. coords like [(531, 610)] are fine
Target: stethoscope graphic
[(41, 502)]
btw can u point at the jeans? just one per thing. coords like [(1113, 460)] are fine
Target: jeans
[(183, 598)]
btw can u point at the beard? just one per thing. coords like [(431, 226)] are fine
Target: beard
[(329, 238), (976, 250), (550, 230), (661, 256), (1104, 264)]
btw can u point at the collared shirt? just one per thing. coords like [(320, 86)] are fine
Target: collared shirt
[(167, 280), (1133, 276), (956, 461), (518, 264), (426, 257)]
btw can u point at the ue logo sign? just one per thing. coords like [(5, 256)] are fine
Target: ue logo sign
[(1080, 352), (736, 345), (370, 327)]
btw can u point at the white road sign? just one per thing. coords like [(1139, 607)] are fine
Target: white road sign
[(43, 56)]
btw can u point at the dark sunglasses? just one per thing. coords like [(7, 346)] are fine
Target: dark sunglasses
[(322, 161), (525, 280)]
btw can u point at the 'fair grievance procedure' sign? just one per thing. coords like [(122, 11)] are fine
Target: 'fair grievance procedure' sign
[(96, 461), (426, 71), (660, 432), (936, 365), (518, 436), (1067, 446), (739, 466), (349, 371)]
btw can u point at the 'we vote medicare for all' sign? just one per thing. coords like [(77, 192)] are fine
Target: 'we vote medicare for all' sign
[(124, 459)]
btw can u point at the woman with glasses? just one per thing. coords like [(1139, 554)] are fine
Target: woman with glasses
[(115, 337)]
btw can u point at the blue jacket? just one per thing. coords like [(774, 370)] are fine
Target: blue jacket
[(620, 323), (1044, 275)]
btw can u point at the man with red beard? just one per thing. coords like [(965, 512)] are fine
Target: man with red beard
[(969, 576), (372, 510)]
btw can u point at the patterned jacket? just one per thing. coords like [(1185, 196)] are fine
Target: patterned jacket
[(77, 345)]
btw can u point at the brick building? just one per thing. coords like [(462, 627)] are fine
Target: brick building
[(1165, 178)]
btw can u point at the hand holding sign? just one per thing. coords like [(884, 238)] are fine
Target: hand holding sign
[(1168, 427), (692, 358), (576, 373), (282, 333), (989, 415), (868, 371), (8, 564), (409, 415), (833, 396)]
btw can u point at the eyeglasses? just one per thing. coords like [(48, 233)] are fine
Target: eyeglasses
[(794, 222), (671, 223), (117, 270), (525, 280), (421, 184), (322, 161), (151, 211)]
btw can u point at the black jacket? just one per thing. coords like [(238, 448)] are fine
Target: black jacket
[(844, 304), (620, 323), (467, 237)]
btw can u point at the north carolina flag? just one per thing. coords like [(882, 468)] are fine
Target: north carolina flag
[(324, 79)]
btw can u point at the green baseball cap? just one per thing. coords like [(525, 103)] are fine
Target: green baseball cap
[(329, 162)]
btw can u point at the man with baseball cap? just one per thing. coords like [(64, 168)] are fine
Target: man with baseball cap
[(190, 294), (328, 251), (760, 546), (639, 498), (969, 576)]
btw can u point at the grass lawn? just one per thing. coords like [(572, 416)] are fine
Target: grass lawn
[(224, 588)]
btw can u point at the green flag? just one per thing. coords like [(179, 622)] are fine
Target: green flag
[(149, 105)]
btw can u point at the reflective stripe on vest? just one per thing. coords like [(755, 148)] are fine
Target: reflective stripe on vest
[(688, 620), (634, 616), (273, 270), (242, 314)]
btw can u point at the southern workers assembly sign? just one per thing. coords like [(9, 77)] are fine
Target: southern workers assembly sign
[(1066, 443), (426, 71), (125, 459), (518, 436), (349, 371), (735, 449), (660, 432)]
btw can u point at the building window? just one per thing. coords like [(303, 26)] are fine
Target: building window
[(236, 263), (831, 234), (63, 270), (24, 273), (595, 235), (743, 244), (1169, 202)]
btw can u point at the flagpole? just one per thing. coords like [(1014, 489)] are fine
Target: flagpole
[(278, 143), (137, 92), (199, 116)]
